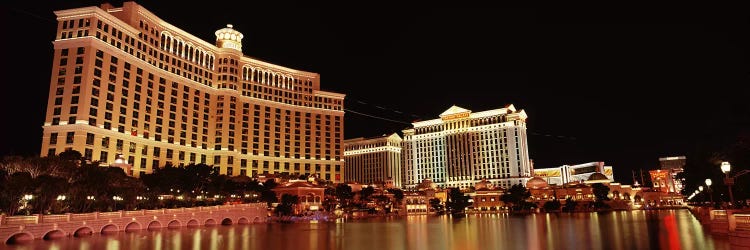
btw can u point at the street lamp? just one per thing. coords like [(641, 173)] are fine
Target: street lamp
[(708, 184), (729, 181)]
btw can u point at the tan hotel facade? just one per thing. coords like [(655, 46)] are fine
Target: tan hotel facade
[(126, 82), (373, 160), (463, 147)]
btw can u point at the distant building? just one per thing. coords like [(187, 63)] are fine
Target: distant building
[(622, 196), (663, 181), (674, 166), (573, 173), (416, 202), (486, 197), (126, 82), (463, 147), (373, 160), (310, 195)]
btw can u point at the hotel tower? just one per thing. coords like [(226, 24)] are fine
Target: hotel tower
[(373, 160), (463, 147), (127, 86)]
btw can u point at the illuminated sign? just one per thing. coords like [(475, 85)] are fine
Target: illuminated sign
[(547, 173), (608, 171), (455, 116), (655, 175)]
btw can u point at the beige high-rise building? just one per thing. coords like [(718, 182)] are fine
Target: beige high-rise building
[(463, 147), (125, 82), (373, 160)]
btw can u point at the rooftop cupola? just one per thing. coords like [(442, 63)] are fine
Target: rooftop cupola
[(229, 38)]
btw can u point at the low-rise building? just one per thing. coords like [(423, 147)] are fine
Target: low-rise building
[(310, 195), (416, 202)]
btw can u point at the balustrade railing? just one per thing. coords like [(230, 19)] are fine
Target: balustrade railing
[(37, 218)]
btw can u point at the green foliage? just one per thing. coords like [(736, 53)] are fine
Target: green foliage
[(344, 192), (436, 205), (552, 206), (600, 191), (457, 201), (286, 206), (365, 193), (16, 186), (88, 187), (397, 193), (570, 205), (515, 197)]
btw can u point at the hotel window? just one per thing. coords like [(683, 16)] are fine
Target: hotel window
[(103, 156), (53, 139), (89, 139), (69, 137), (88, 153)]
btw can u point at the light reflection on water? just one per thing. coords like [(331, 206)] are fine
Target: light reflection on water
[(667, 229)]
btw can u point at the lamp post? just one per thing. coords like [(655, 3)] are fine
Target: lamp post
[(708, 185), (728, 180)]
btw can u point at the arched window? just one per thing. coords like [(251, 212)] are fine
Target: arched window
[(163, 46), (169, 44)]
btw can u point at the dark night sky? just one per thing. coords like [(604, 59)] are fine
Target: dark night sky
[(620, 86)]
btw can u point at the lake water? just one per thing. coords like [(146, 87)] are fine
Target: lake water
[(663, 229)]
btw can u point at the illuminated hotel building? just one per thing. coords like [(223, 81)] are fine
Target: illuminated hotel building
[(674, 165), (463, 147), (573, 173), (126, 82), (373, 160)]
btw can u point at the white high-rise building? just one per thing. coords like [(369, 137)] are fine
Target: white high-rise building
[(373, 160), (463, 147)]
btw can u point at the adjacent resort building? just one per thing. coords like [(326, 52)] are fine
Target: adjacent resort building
[(463, 147), (573, 173), (373, 160), (127, 85)]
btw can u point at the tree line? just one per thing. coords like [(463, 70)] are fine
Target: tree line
[(67, 184)]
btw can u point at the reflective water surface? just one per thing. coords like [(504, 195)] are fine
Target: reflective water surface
[(667, 229)]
